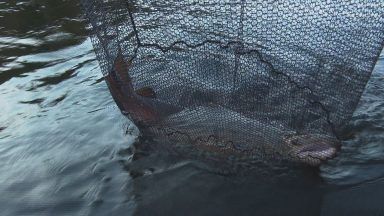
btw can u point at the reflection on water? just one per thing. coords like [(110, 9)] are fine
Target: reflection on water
[(361, 158), (66, 150)]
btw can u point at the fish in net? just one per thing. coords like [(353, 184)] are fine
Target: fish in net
[(239, 79)]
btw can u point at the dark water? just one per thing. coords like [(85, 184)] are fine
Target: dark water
[(61, 154)]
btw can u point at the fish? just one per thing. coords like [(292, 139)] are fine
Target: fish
[(220, 133), (138, 104), (210, 129), (312, 149)]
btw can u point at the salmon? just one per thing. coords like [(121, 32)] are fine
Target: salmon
[(138, 105), (201, 124)]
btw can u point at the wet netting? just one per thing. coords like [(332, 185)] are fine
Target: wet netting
[(239, 78)]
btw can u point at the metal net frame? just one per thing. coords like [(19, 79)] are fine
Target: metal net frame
[(239, 77)]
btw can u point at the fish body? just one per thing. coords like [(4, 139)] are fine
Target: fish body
[(140, 104), (221, 133), (212, 129)]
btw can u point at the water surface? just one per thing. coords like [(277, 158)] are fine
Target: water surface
[(65, 149)]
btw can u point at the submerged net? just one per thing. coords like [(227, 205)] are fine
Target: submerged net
[(239, 77)]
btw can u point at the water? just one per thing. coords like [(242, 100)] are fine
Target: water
[(65, 149)]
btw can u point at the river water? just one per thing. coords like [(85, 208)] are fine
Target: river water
[(65, 149)]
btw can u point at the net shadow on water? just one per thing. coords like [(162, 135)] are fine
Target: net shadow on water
[(168, 183)]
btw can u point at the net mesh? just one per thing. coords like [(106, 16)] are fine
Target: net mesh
[(239, 78)]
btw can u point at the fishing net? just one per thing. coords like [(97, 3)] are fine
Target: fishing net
[(239, 77)]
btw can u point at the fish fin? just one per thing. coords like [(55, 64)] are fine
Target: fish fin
[(121, 67), (146, 92)]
